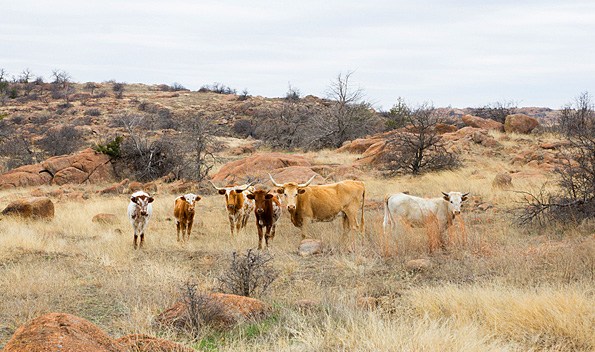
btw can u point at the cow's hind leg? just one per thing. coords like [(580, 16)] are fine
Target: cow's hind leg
[(190, 222), (142, 239), (178, 225), (268, 236), (134, 242)]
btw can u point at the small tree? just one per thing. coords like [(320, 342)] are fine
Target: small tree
[(496, 111), (60, 141), (397, 115), (201, 136), (249, 274), (420, 148)]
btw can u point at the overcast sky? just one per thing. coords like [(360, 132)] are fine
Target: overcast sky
[(458, 53)]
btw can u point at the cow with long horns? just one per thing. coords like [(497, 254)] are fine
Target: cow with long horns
[(420, 212), (238, 206), (306, 203)]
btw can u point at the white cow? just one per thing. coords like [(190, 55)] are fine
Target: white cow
[(139, 214), (419, 212)]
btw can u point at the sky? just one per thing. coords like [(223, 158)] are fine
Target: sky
[(457, 53)]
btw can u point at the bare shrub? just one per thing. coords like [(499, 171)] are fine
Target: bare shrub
[(496, 111), (200, 133), (574, 201), (243, 127), (203, 309), (18, 150), (244, 96), (419, 148), (249, 274), (177, 87), (60, 141), (217, 88), (118, 89)]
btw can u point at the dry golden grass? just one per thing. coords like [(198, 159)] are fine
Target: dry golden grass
[(496, 287)]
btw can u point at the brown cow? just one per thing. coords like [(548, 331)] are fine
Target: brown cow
[(184, 214), (238, 207), (267, 212), (307, 203)]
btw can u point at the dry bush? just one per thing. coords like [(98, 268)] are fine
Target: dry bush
[(250, 274), (204, 310)]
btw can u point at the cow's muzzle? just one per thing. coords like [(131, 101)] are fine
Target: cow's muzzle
[(231, 207), (260, 211), (457, 212), (291, 207), (143, 213)]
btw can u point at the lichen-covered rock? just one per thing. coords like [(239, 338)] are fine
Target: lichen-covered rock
[(61, 332), (309, 247), (478, 122), (520, 123), (32, 207)]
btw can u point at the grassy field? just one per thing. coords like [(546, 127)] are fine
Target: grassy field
[(496, 287)]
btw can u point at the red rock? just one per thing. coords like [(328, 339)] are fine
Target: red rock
[(443, 128), (520, 123), (135, 187), (359, 145), (309, 247), (61, 332), (233, 310), (478, 122), (146, 343), (33, 207), (150, 187)]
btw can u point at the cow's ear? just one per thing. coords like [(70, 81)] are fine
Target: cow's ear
[(133, 200), (280, 190), (151, 199), (221, 192), (197, 198), (250, 196), (446, 198), (268, 196), (464, 198), (301, 190)]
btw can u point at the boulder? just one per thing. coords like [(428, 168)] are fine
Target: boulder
[(61, 332), (359, 145), (483, 138), (86, 166), (256, 165), (309, 247), (224, 310), (105, 218), (298, 174), (520, 123), (32, 207), (134, 187), (150, 187), (502, 180), (443, 128), (478, 122), (115, 189), (146, 343)]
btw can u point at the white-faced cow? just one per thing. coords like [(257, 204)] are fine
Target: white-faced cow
[(238, 207), (306, 203), (420, 212), (184, 214), (139, 214), (267, 210)]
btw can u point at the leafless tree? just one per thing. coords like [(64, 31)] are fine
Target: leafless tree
[(201, 134), (61, 140), (249, 274), (496, 111), (419, 148)]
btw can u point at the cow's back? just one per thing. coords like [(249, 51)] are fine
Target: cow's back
[(417, 210), (326, 201)]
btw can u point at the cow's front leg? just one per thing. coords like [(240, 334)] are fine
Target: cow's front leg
[(142, 239), (268, 237), (183, 229), (178, 225), (231, 224), (305, 226), (189, 229), (259, 235), (134, 242)]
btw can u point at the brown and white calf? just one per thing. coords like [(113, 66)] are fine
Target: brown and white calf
[(267, 210), (139, 214), (184, 214), (237, 205)]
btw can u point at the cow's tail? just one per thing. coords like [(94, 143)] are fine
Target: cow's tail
[(388, 217), (362, 225)]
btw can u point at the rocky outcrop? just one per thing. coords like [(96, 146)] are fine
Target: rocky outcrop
[(520, 123), (224, 311), (86, 166), (256, 166), (478, 122), (61, 332), (309, 247), (32, 207)]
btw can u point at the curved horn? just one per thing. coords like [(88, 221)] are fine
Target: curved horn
[(217, 188), (239, 190), (273, 181), (464, 195), (307, 183), (446, 194)]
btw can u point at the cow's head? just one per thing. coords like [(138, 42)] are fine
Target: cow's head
[(291, 191), (234, 196), (142, 200), (260, 197), (191, 199), (455, 199)]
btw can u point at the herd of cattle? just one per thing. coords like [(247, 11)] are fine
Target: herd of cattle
[(305, 204)]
